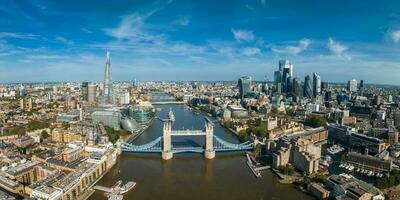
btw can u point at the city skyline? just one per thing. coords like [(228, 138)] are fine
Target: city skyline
[(42, 41)]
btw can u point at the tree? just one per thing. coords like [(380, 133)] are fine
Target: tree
[(44, 134), (243, 135), (343, 157), (315, 121), (290, 112), (320, 178)]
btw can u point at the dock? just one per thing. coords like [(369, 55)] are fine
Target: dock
[(116, 190), (255, 172), (253, 167), (102, 189), (262, 168)]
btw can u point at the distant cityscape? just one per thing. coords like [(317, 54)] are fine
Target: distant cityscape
[(60, 139), (199, 100)]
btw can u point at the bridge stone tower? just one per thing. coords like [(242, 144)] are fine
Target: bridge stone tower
[(209, 152), (167, 146)]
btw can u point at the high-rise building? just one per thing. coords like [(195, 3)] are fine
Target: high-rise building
[(297, 91), (84, 90), (92, 89), (285, 65), (124, 97), (244, 84), (352, 85), (22, 91), (108, 95), (308, 87), (277, 76), (316, 85)]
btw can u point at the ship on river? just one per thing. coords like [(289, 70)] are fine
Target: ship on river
[(171, 115)]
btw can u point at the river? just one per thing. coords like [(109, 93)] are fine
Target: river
[(191, 176)]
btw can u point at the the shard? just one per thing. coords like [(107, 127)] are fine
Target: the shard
[(108, 91)]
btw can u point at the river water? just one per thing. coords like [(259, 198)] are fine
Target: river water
[(191, 176)]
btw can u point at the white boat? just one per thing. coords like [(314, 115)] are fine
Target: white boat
[(115, 197), (117, 184), (128, 186), (171, 115)]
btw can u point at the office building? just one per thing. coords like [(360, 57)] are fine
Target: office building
[(308, 87), (352, 85), (109, 118), (244, 84), (85, 91), (92, 90), (316, 85), (108, 93)]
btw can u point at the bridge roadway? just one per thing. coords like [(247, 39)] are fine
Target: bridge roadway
[(163, 144), (167, 102)]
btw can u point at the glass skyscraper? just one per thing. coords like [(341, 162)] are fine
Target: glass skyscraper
[(316, 85), (244, 84), (308, 87), (108, 96)]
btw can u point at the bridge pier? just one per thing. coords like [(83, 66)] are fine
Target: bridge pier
[(209, 152), (167, 147)]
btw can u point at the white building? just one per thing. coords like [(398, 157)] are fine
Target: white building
[(312, 107), (352, 85), (124, 97), (46, 193)]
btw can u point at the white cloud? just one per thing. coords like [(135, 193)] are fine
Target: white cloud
[(243, 35), (293, 50), (18, 35), (183, 21), (132, 28), (338, 49), (251, 51), (65, 40), (395, 36), (45, 57)]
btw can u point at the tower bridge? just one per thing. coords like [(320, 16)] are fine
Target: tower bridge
[(163, 144)]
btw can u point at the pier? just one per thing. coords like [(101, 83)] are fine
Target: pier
[(102, 189), (253, 167)]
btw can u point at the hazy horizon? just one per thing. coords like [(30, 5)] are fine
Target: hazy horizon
[(45, 41)]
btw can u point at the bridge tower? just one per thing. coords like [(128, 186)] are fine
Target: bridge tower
[(209, 151), (167, 146)]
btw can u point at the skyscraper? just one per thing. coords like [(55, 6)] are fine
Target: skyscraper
[(285, 65), (308, 87), (108, 96), (352, 85), (84, 90), (244, 84), (92, 88), (316, 85)]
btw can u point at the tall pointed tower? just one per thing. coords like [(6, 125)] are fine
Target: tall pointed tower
[(108, 91)]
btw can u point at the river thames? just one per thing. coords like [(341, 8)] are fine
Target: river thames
[(191, 176)]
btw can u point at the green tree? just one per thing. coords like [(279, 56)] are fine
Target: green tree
[(315, 121), (44, 134)]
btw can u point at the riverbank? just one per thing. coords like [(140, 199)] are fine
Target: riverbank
[(133, 136)]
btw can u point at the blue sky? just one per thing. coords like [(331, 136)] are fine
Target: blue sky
[(199, 40)]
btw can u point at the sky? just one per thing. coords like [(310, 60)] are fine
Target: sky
[(67, 40)]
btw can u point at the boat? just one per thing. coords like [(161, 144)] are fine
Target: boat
[(117, 184), (171, 115), (128, 186), (115, 197)]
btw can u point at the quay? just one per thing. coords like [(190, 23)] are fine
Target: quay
[(102, 189), (253, 167)]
